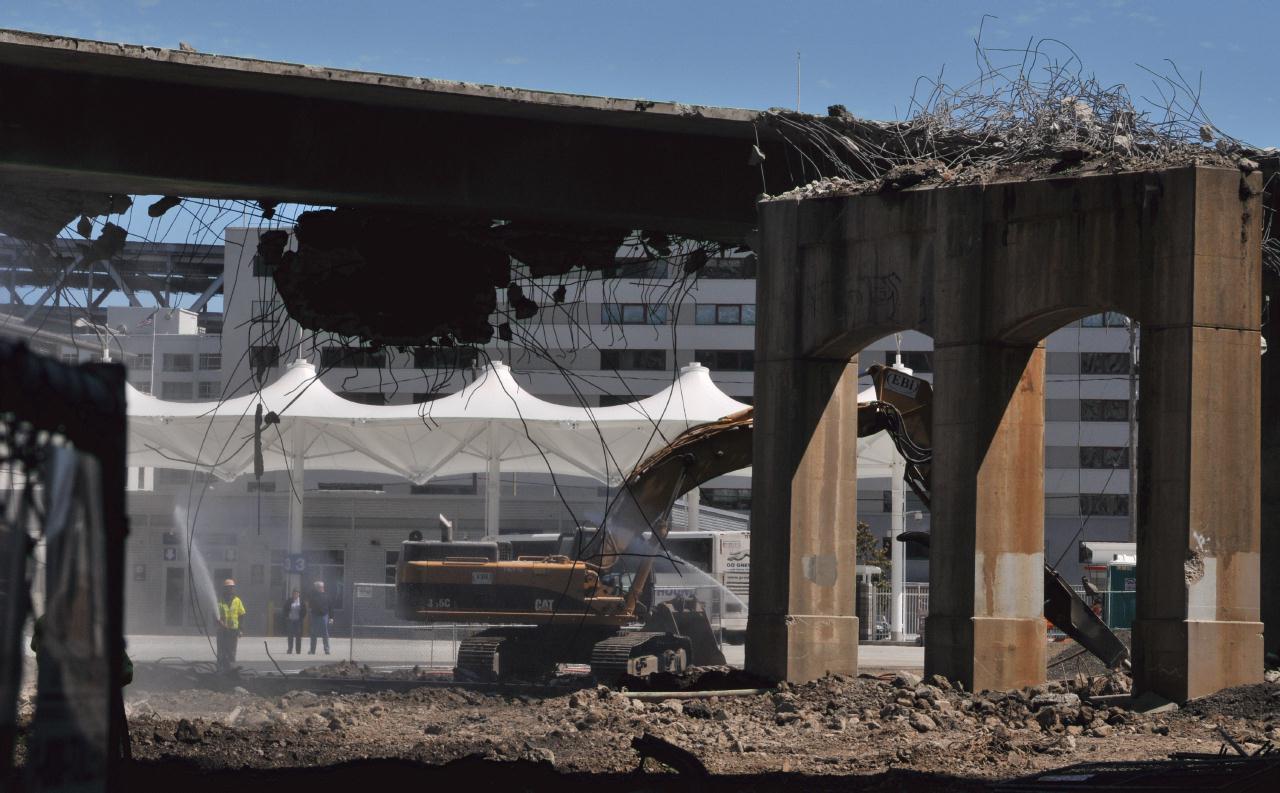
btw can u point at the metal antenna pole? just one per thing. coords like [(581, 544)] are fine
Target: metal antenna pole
[(797, 81)]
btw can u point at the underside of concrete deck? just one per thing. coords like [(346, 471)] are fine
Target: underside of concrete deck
[(126, 119), (988, 272)]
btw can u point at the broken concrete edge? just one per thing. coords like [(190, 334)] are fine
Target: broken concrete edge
[(181, 66), (839, 188)]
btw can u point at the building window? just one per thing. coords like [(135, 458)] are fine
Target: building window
[(261, 486), (142, 362), (365, 397), (178, 362), (352, 358), (1104, 410), (727, 360), (1104, 363), (1110, 319), (427, 396), (1104, 457), (725, 314), (445, 357), (644, 268), (648, 360), (210, 361), (633, 314), (175, 390), (743, 267), (733, 498), (918, 361), (143, 386), (261, 268), (450, 486), (1111, 504), (264, 356), (71, 358), (209, 389)]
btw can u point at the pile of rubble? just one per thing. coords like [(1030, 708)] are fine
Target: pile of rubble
[(838, 724)]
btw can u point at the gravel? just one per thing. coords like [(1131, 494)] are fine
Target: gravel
[(837, 725)]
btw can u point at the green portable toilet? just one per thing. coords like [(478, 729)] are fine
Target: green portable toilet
[(1121, 598)]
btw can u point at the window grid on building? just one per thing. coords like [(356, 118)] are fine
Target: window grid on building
[(1108, 504), (628, 360), (634, 314), (1104, 410), (210, 361), (264, 356), (725, 314), (1105, 363), (727, 360), (176, 391), (1103, 457), (178, 362), (445, 357)]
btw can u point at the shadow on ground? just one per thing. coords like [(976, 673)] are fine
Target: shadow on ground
[(533, 777)]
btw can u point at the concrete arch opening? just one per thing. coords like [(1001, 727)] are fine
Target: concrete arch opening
[(989, 271)]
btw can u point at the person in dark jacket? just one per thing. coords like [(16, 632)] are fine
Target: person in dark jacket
[(295, 611), (318, 608)]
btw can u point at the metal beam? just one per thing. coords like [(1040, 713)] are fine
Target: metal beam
[(206, 295), (123, 285), (106, 290), (55, 286)]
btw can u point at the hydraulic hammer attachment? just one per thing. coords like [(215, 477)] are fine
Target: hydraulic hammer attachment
[(1071, 615)]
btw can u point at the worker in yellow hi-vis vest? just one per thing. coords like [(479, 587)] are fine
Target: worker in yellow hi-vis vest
[(230, 611)]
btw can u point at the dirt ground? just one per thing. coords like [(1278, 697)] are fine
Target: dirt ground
[(901, 733)]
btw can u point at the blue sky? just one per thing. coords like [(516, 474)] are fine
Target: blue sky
[(865, 55)]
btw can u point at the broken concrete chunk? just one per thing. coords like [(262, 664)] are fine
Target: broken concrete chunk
[(905, 679)]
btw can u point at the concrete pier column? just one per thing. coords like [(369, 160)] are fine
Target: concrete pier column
[(804, 520), (1198, 626), (805, 490), (986, 584)]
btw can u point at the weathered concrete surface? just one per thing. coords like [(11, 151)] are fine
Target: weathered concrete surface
[(989, 272), (357, 138), (986, 622), (804, 506)]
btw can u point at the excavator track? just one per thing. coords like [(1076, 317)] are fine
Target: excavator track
[(639, 654), (478, 657), (499, 654)]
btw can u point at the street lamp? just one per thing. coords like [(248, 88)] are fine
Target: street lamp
[(81, 322)]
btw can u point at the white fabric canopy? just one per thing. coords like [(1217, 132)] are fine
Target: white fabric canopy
[(491, 420)]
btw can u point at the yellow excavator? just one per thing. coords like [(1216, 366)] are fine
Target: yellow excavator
[(591, 600)]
